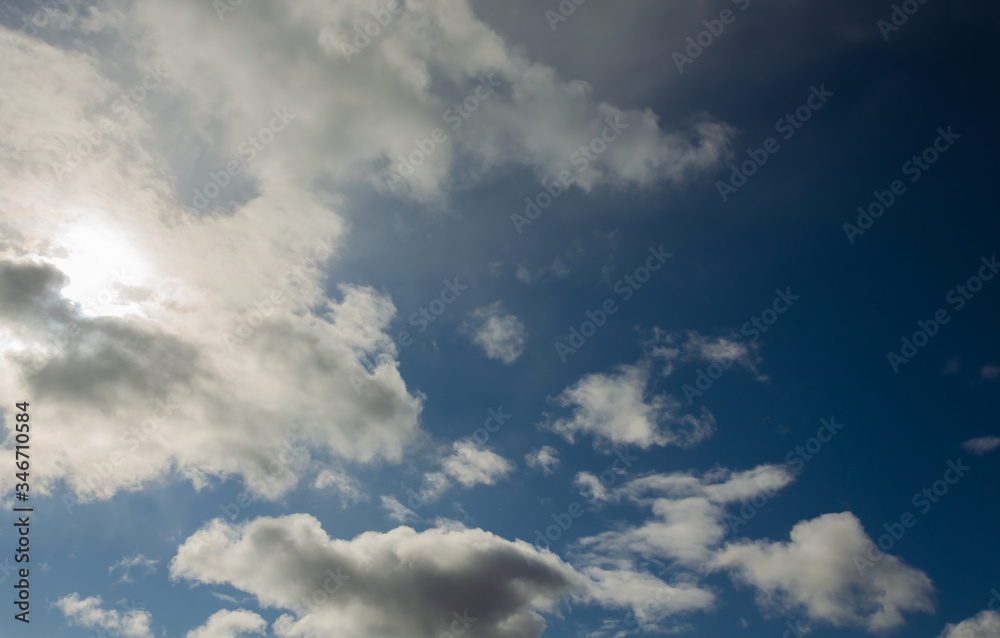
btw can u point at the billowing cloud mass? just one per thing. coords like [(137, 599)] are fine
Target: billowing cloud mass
[(408, 583), (166, 248), (230, 624), (90, 613), (833, 588), (616, 409), (400, 583)]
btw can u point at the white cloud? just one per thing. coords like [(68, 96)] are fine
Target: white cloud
[(230, 624), (691, 345), (545, 458), (654, 604), (383, 578), (500, 335), (470, 464), (814, 573), (400, 88), (981, 445), (192, 322), (87, 612), (690, 512), (689, 522), (126, 564), (397, 511), (985, 624), (991, 372), (590, 485), (346, 486), (615, 408)]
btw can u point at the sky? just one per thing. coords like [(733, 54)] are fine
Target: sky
[(440, 318)]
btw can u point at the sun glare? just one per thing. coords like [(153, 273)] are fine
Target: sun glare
[(100, 263)]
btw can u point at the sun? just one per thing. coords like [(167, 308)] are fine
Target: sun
[(101, 263)]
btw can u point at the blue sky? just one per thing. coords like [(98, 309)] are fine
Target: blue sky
[(290, 364)]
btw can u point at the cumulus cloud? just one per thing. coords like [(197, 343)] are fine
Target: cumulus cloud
[(467, 463), (985, 624), (546, 458), (981, 445), (346, 486), (616, 409), (500, 335), (89, 613), (230, 624), (689, 521), (990, 372), (400, 582), (470, 464), (690, 512), (815, 573)]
